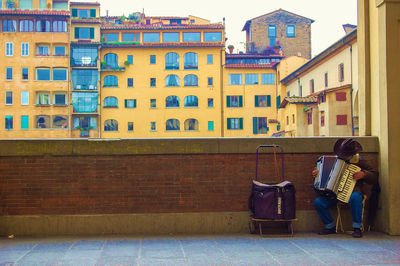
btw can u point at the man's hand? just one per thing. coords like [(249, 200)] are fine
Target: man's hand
[(315, 172), (358, 175)]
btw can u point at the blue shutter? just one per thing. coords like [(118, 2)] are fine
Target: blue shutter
[(91, 33), (269, 100), (240, 101), (240, 123), (134, 103), (228, 123), (92, 13), (74, 12), (126, 103), (24, 122), (278, 101), (76, 32), (256, 104), (254, 125), (228, 101)]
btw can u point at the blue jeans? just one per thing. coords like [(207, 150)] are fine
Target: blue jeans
[(322, 205)]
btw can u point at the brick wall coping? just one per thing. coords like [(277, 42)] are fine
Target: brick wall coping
[(72, 147)]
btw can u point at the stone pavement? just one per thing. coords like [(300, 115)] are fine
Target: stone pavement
[(241, 249)]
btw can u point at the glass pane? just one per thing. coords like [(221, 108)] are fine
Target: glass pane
[(59, 74), (84, 56), (60, 122), (235, 79), (42, 121), (84, 79), (128, 37), (24, 97), (212, 36), (172, 124), (251, 79), (84, 102), (170, 37), (59, 99), (191, 37), (83, 13), (43, 74), (59, 50), (151, 37), (112, 37)]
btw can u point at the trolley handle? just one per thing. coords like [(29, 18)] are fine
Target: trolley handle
[(270, 146)]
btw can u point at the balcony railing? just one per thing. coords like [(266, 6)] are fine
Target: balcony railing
[(112, 68), (84, 62)]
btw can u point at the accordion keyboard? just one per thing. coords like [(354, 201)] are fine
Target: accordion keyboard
[(347, 183)]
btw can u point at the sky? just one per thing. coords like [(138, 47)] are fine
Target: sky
[(329, 16)]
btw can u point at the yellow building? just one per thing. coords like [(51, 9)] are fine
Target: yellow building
[(161, 77), (34, 51)]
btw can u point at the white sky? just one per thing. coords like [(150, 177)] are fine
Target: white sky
[(329, 16)]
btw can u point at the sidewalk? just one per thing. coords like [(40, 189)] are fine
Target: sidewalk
[(302, 249)]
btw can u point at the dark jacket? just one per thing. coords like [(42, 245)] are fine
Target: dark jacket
[(365, 184)]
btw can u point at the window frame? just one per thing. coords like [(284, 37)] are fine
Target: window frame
[(9, 98), (24, 49), (9, 48)]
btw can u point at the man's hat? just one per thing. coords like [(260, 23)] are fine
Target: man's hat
[(346, 148)]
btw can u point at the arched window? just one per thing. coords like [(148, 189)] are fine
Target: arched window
[(191, 124), (191, 61), (191, 80), (110, 81), (172, 81), (191, 101), (111, 125), (172, 61), (172, 101), (172, 124), (111, 102), (111, 60)]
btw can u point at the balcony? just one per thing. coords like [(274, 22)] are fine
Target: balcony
[(84, 62), (112, 68)]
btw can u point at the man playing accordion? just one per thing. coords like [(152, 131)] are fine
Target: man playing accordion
[(348, 150)]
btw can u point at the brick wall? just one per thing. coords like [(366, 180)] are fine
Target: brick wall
[(131, 182)]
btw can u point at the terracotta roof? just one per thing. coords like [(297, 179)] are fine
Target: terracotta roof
[(250, 65), (86, 21), (164, 45), (160, 26), (84, 3), (298, 100), (171, 17), (346, 86), (253, 56), (36, 12)]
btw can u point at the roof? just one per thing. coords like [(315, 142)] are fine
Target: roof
[(250, 65), (35, 12), (160, 26), (346, 86), (248, 22), (230, 56), (321, 57), (86, 21), (164, 45), (84, 3), (298, 100)]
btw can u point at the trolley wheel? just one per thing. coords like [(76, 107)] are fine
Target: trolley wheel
[(252, 227)]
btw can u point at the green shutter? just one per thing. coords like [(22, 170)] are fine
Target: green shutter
[(240, 123), (278, 102), (134, 103), (24, 122), (254, 125), (91, 33), (228, 101), (256, 101), (240, 101), (74, 12), (92, 13), (269, 100), (228, 123), (76, 32)]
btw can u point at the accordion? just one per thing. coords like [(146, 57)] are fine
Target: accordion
[(335, 178)]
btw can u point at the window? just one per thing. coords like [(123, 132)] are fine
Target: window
[(59, 25), (112, 37), (272, 35), (110, 125), (128, 37), (293, 119), (130, 59), (130, 82), (60, 5), (262, 100), (322, 98), (191, 80), (341, 120), (60, 98), (171, 61), (290, 31), (84, 33), (341, 72), (268, 79), (83, 13), (130, 126), (152, 59), (210, 102), (172, 124), (84, 102), (151, 37), (43, 26), (235, 79), (84, 79), (191, 37), (25, 74), (309, 118), (25, 4), (340, 96), (153, 103), (9, 97), (24, 122), (130, 103), (212, 36), (85, 122), (251, 79), (111, 101), (25, 49), (234, 123), (9, 73), (322, 115), (234, 101), (191, 101), (84, 56), (190, 61), (9, 49), (43, 50), (111, 60), (326, 79), (110, 81), (210, 81), (172, 101), (210, 125), (152, 82), (153, 126), (59, 74), (60, 121), (42, 121), (24, 97), (43, 4), (59, 50), (210, 59), (312, 86), (172, 81), (171, 37), (191, 124), (9, 122), (43, 98), (9, 25), (260, 125)]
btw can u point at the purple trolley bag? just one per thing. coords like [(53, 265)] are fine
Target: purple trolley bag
[(276, 202)]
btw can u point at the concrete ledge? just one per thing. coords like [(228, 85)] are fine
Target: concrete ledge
[(79, 147), (139, 224)]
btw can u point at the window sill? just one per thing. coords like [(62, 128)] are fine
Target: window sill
[(60, 105), (42, 105), (110, 107)]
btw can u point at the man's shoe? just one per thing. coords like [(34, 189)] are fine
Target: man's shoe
[(357, 233), (327, 231)]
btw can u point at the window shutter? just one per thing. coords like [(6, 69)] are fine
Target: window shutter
[(134, 103), (256, 104), (92, 13), (269, 100), (126, 103), (228, 101), (278, 102), (240, 101), (229, 123), (91, 33), (76, 32), (254, 125), (74, 12)]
